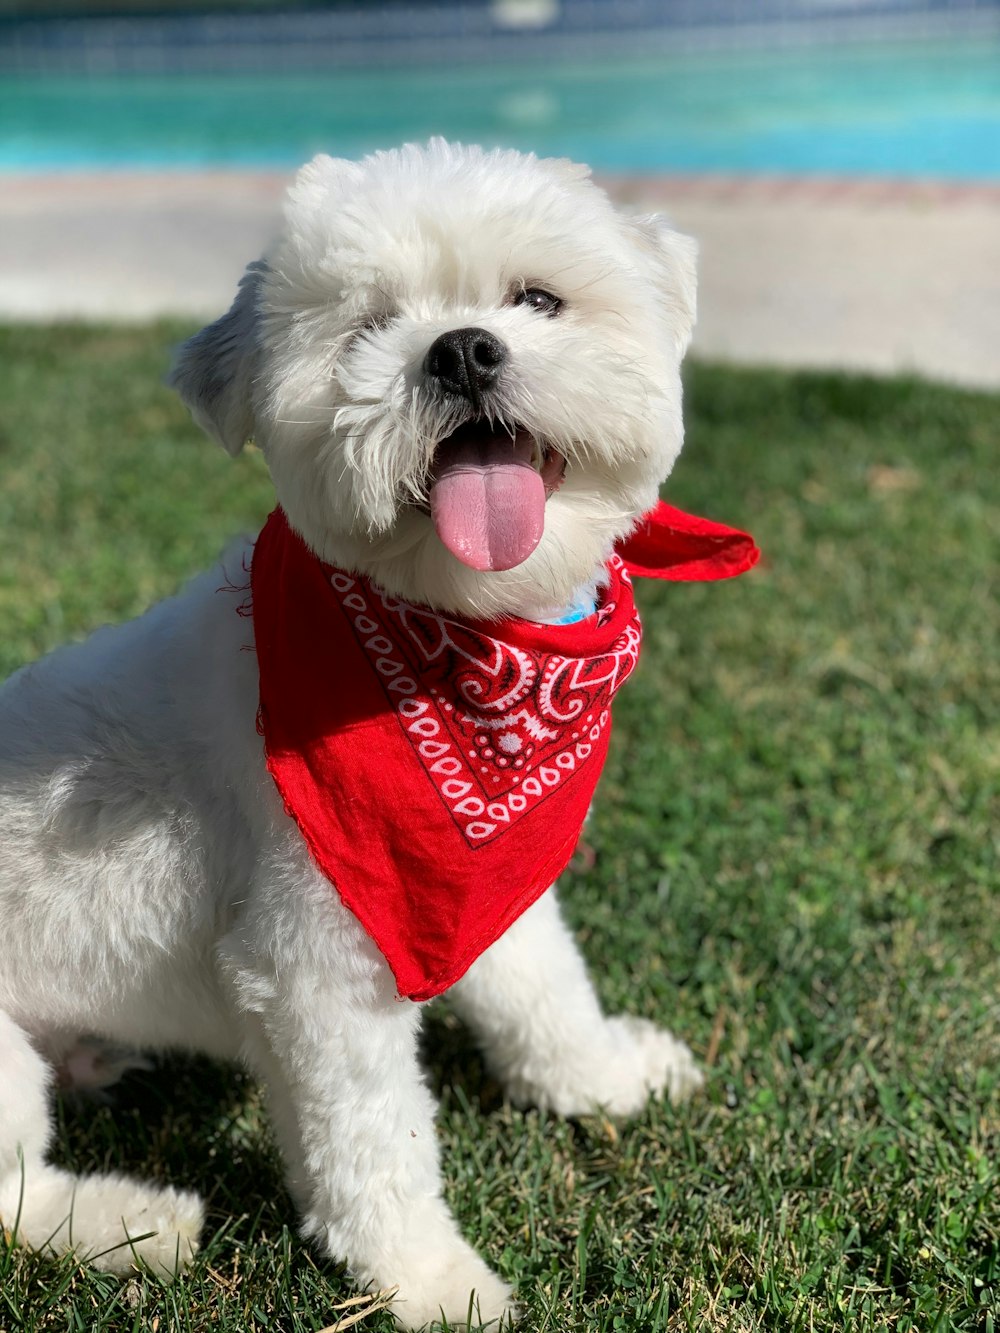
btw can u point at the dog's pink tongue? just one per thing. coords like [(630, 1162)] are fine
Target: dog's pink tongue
[(487, 501)]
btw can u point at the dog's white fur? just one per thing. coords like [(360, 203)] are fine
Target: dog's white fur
[(153, 891)]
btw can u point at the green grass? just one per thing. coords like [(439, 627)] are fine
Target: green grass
[(795, 866)]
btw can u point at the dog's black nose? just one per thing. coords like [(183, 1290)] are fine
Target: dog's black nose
[(466, 362)]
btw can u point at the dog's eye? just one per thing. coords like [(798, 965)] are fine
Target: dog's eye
[(375, 322), (538, 300)]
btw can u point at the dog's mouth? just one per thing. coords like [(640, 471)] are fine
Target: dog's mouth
[(488, 488)]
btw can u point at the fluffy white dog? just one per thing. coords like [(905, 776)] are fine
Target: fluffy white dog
[(153, 890)]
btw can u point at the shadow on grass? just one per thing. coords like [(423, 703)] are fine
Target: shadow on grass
[(454, 1065), (201, 1124), (189, 1122)]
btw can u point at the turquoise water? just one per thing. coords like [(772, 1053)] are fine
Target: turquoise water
[(916, 111)]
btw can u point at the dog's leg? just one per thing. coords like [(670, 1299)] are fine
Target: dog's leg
[(532, 1006), (105, 1219), (354, 1118)]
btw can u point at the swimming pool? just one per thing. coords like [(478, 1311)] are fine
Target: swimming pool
[(910, 111)]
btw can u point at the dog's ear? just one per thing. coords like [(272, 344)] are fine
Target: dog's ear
[(213, 371), (672, 260)]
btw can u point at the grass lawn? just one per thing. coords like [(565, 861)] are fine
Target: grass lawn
[(795, 866)]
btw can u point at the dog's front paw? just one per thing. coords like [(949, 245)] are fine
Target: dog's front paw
[(627, 1060), (665, 1064), (457, 1287)]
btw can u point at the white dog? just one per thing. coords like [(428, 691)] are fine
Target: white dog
[(422, 311)]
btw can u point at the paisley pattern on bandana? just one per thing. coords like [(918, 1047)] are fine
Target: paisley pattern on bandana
[(496, 728)]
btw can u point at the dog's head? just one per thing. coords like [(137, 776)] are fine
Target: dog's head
[(463, 370)]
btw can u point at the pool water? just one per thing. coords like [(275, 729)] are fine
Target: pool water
[(908, 111)]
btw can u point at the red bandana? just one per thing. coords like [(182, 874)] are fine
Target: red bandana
[(440, 770)]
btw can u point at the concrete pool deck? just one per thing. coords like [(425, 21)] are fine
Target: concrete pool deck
[(867, 275)]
